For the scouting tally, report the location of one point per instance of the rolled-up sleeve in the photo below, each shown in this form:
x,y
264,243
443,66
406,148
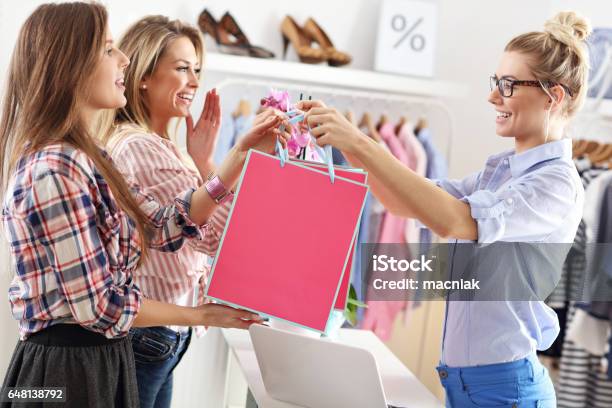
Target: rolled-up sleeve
x,y
530,207
170,225
155,175
458,188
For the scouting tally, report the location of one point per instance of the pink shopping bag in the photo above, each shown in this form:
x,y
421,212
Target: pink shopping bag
x,y
288,241
362,177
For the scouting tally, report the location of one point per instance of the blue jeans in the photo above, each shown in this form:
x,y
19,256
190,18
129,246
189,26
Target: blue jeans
x,y
157,351
519,384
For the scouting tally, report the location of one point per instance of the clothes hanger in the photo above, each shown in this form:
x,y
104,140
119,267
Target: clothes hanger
x,y
243,109
421,124
602,155
350,116
596,152
382,121
582,146
579,147
366,122
399,125
591,146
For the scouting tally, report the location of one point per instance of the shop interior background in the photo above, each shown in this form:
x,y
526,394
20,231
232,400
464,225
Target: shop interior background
x,y
470,39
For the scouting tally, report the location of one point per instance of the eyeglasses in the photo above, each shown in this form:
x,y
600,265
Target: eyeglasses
x,y
506,85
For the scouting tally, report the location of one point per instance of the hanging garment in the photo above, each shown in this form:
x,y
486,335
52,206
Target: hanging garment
x,y
417,162
393,227
597,215
338,157
572,276
593,318
582,382
232,128
589,332
437,168
377,211
380,315
373,213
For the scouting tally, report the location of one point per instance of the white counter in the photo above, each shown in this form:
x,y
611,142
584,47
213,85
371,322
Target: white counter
x,y
401,386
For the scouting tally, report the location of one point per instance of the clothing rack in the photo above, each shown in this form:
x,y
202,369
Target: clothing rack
x,y
376,103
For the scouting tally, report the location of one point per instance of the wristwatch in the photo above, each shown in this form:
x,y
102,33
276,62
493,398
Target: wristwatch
x,y
217,190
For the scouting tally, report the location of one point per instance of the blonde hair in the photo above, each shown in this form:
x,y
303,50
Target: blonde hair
x,y
144,43
57,51
559,56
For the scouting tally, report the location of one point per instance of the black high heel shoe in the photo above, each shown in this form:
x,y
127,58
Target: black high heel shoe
x,y
228,22
228,36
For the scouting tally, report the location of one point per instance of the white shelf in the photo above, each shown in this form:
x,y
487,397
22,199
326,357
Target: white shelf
x,y
606,107
331,76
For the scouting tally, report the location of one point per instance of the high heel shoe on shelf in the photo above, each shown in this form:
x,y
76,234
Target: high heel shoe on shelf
x,y
301,42
229,37
334,57
229,23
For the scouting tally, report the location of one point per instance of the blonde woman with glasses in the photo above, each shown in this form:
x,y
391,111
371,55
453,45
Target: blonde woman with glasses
x,y
531,194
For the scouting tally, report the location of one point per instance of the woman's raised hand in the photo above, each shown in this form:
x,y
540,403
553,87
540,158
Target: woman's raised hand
x,y
202,136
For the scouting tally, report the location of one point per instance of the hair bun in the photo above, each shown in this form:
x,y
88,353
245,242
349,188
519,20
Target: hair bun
x,y
568,27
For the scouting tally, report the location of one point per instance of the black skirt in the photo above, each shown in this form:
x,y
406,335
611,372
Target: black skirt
x,y
95,371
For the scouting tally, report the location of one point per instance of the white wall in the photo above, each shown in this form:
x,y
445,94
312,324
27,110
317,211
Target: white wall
x,y
472,34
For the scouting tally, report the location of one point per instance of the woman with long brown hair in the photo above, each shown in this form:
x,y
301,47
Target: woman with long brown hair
x,y
75,227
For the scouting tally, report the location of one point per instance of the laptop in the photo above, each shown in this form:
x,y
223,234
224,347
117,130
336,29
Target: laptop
x,y
316,373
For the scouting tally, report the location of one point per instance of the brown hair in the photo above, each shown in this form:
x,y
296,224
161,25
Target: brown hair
x,y
559,55
56,53
144,43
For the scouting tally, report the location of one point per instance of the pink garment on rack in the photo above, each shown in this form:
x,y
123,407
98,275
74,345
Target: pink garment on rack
x,y
380,315
417,162
392,229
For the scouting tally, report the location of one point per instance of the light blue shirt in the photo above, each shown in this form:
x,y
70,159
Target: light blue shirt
x,y
534,196
231,129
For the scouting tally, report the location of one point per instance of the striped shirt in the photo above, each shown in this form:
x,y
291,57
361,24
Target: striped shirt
x,y
156,165
73,250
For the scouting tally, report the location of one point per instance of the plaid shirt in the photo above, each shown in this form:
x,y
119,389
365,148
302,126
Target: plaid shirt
x,y
73,249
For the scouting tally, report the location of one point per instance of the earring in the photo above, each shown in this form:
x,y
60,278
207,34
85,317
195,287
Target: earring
x,y
144,86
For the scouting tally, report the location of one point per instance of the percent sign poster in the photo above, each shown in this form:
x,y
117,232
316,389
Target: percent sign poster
x,y
406,37
287,242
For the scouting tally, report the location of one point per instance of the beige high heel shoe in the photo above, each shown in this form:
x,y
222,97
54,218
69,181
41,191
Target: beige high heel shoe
x,y
301,42
334,57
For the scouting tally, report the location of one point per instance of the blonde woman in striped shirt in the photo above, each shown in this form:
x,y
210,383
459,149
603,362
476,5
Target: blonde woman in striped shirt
x,y
161,82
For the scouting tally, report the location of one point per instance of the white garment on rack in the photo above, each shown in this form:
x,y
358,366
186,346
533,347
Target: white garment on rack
x,y
589,332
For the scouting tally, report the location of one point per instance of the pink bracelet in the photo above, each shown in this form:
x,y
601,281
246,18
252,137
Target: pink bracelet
x,y
217,190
